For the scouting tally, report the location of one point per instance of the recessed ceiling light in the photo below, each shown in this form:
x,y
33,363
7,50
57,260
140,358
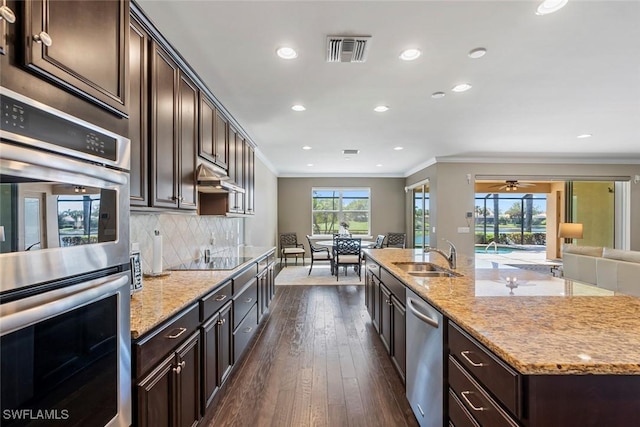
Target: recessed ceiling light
x,y
287,53
298,107
379,165
381,109
309,164
398,148
410,54
438,95
306,147
478,52
550,6
584,135
462,87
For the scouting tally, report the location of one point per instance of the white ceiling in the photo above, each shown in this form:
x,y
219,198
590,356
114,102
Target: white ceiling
x,y
544,80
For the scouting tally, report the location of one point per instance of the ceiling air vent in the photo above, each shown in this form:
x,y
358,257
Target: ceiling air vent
x,y
347,48
348,152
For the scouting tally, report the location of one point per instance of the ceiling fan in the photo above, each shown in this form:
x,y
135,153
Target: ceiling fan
x,y
512,185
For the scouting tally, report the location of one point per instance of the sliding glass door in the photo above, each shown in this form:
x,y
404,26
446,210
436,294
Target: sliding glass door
x,y
421,223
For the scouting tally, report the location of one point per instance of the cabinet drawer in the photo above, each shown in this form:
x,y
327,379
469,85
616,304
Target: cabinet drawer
x,y
243,302
458,414
215,300
496,376
156,345
264,262
475,399
396,287
245,332
243,278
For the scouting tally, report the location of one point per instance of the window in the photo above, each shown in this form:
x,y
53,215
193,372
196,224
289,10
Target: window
x,y
332,206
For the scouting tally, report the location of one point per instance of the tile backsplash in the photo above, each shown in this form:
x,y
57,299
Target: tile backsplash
x,y
185,237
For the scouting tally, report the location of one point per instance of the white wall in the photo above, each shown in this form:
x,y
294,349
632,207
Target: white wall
x,y
261,229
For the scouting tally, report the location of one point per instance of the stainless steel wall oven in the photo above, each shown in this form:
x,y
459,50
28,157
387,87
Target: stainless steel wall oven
x,y
64,269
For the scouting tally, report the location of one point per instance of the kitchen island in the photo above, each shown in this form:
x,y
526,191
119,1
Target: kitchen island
x,y
569,351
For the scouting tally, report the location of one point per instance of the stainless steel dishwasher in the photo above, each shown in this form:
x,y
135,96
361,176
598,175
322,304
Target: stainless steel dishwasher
x,y
425,360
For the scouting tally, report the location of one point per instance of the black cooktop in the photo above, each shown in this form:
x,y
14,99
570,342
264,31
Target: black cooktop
x,y
213,263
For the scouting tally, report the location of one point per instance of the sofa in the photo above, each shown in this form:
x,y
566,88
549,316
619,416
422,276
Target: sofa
x,y
614,269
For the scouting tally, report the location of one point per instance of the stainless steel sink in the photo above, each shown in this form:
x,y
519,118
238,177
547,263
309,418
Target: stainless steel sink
x,y
425,269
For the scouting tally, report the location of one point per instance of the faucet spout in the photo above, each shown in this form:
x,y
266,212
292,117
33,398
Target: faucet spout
x,y
451,257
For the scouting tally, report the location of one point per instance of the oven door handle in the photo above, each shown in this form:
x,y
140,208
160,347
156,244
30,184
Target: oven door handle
x,y
23,313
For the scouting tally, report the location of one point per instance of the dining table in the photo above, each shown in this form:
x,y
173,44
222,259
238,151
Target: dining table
x,y
363,244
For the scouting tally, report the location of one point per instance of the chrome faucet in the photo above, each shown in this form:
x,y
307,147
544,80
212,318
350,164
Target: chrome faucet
x,y
451,257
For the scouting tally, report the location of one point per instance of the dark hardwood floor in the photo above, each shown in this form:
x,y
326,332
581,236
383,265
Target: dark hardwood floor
x,y
316,362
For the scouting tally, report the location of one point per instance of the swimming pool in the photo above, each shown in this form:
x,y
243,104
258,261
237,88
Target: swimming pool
x,y
492,250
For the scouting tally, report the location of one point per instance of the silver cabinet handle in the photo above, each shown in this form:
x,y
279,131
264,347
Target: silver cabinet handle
x,y
247,329
222,321
248,300
180,367
180,332
465,353
43,38
220,298
466,399
7,14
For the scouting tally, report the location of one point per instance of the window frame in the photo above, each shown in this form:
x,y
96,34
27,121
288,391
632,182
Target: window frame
x,y
340,212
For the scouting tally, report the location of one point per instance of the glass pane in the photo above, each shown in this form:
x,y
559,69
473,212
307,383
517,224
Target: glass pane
x,y
32,223
358,222
355,200
325,222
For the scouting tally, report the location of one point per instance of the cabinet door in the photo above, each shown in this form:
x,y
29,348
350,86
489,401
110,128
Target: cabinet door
x,y
233,205
3,25
88,49
138,113
164,84
156,395
240,174
207,132
210,359
375,290
188,382
225,344
187,142
398,344
249,196
385,313
221,140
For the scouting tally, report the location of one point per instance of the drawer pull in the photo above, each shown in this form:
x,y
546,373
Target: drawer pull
x,y
247,329
222,321
174,336
248,300
220,298
466,399
477,365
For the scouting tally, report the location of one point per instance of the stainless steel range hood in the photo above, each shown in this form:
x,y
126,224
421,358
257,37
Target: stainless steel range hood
x,y
212,179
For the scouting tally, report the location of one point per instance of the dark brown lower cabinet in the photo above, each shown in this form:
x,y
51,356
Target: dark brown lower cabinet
x,y
170,394
217,352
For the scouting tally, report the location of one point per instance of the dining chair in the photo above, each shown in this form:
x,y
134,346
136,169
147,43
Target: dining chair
x,y
347,251
396,240
379,241
319,254
289,247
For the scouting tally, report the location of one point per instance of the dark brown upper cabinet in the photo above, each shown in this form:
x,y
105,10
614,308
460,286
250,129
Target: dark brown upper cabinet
x,y
81,46
139,41
213,133
174,133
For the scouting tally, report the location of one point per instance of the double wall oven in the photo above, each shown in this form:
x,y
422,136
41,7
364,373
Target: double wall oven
x,y
64,269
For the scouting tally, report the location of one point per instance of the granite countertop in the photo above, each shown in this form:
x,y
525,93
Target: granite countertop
x,y
164,296
544,326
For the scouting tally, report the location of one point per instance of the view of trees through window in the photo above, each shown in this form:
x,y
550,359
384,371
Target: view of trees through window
x,y
78,219
331,207
510,219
